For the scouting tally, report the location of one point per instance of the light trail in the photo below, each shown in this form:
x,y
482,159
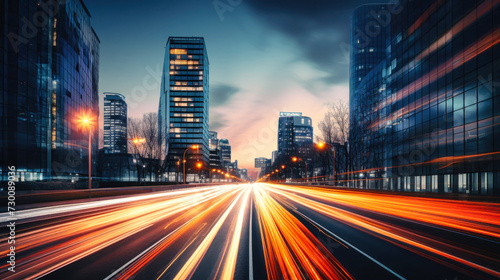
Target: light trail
x,y
291,251
482,219
195,233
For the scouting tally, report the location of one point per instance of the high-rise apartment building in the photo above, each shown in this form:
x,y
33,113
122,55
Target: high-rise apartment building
x,y
425,118
226,152
49,80
215,151
260,162
115,123
295,134
184,97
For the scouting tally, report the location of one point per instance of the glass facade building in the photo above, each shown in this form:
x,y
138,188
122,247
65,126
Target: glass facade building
x,y
184,97
49,74
426,117
215,151
226,152
115,123
295,134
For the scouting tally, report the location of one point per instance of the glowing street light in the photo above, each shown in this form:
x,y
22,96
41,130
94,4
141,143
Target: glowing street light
x,y
321,145
194,147
291,171
296,159
87,121
136,141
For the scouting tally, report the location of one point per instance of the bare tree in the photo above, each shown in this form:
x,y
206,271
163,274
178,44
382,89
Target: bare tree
x,y
148,148
334,127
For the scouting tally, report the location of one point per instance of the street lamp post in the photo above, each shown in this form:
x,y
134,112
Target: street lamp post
x,y
178,163
291,172
199,165
296,159
321,145
87,121
184,162
136,141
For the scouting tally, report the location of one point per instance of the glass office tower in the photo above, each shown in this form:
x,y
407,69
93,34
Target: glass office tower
x,y
183,109
434,101
115,123
226,152
369,34
49,74
295,134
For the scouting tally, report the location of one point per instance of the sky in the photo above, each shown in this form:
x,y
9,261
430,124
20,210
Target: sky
x,y
265,57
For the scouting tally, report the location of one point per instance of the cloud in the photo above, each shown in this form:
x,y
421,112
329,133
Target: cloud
x,y
320,29
217,121
221,93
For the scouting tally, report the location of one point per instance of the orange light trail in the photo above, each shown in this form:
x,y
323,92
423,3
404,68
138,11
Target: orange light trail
x,y
425,16
289,245
194,228
458,60
476,218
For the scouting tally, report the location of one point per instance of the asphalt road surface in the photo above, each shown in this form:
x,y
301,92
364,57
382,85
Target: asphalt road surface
x,y
255,231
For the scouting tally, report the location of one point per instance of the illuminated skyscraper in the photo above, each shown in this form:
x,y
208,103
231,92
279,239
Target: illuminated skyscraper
x,y
183,109
295,134
115,123
226,152
49,78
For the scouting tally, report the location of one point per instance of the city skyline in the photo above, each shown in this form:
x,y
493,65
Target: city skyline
x,y
257,139
239,83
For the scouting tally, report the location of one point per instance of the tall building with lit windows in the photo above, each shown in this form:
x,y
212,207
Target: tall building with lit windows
x,y
115,123
427,116
48,79
183,109
226,152
295,134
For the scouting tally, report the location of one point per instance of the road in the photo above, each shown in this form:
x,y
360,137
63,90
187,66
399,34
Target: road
x,y
257,231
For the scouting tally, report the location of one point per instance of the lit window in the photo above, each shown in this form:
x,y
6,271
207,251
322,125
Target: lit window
x,y
178,51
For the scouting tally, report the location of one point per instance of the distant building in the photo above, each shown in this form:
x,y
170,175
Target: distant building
x,y
116,166
274,156
243,174
295,134
49,79
226,151
215,151
183,108
115,123
260,162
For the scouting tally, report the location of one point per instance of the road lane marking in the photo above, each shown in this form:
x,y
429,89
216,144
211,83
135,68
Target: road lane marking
x,y
250,246
145,251
352,246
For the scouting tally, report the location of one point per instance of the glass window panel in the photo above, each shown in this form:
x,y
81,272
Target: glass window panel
x,y
484,109
471,114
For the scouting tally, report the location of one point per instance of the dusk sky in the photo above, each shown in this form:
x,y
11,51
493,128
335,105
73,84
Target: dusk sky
x,y
265,57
